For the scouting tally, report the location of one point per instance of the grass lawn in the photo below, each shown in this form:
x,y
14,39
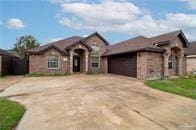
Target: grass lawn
x,y
10,114
185,86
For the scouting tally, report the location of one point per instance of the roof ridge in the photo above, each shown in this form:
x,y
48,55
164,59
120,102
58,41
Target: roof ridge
x,y
99,35
140,36
177,32
64,39
54,43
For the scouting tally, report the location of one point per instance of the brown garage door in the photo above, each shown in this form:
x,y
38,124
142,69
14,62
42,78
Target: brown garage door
x,y
125,64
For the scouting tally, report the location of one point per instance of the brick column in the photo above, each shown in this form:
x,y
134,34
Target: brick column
x,y
86,60
71,61
0,65
166,72
106,65
180,60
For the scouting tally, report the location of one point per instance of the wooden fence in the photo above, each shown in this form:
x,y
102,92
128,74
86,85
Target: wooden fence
x,y
14,66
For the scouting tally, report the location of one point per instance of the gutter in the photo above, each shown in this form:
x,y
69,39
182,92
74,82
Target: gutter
x,y
137,50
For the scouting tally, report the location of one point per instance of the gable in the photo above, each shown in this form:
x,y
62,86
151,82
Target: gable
x,y
48,49
95,40
183,39
178,42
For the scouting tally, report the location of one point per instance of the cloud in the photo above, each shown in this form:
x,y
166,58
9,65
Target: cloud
x,y
123,17
1,22
190,3
15,23
48,40
64,1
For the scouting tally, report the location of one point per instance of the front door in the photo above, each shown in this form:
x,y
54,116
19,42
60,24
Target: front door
x,y
76,64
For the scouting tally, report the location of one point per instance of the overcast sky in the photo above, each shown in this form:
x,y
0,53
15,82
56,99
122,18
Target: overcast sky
x,y
116,20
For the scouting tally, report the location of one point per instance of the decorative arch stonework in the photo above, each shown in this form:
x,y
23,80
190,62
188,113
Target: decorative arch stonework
x,y
175,50
84,57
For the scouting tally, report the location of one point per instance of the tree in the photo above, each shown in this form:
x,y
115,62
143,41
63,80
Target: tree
x,y
25,43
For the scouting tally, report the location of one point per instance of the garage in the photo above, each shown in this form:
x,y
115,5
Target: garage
x,y
125,64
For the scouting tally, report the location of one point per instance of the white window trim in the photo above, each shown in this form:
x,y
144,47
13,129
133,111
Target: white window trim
x,y
98,61
57,68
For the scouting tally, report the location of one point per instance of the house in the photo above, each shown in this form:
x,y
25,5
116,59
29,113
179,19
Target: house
x,y
191,58
141,57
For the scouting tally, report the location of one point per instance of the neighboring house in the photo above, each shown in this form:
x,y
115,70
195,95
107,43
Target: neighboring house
x,y
143,58
191,58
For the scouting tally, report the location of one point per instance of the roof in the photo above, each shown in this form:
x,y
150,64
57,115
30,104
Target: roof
x,y
59,45
4,52
97,34
65,44
139,43
142,43
164,38
191,50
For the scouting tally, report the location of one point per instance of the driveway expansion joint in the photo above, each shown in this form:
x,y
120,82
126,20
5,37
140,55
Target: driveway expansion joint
x,y
141,114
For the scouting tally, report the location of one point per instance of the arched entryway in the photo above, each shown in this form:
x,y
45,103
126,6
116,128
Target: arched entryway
x,y
79,60
173,62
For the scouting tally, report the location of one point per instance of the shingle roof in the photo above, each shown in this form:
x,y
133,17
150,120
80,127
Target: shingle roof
x,y
60,45
132,45
164,38
3,52
192,49
63,45
142,43
139,43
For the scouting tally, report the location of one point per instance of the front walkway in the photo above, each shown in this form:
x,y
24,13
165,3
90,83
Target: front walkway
x,y
98,102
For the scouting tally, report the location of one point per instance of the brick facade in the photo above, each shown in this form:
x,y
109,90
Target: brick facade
x,y
141,65
149,65
191,64
176,49
38,63
96,41
0,64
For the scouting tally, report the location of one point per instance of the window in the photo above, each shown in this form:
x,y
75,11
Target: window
x,y
53,62
170,62
95,56
95,61
95,50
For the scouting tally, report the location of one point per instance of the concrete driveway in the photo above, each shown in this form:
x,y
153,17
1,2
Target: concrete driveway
x,y
8,81
98,102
